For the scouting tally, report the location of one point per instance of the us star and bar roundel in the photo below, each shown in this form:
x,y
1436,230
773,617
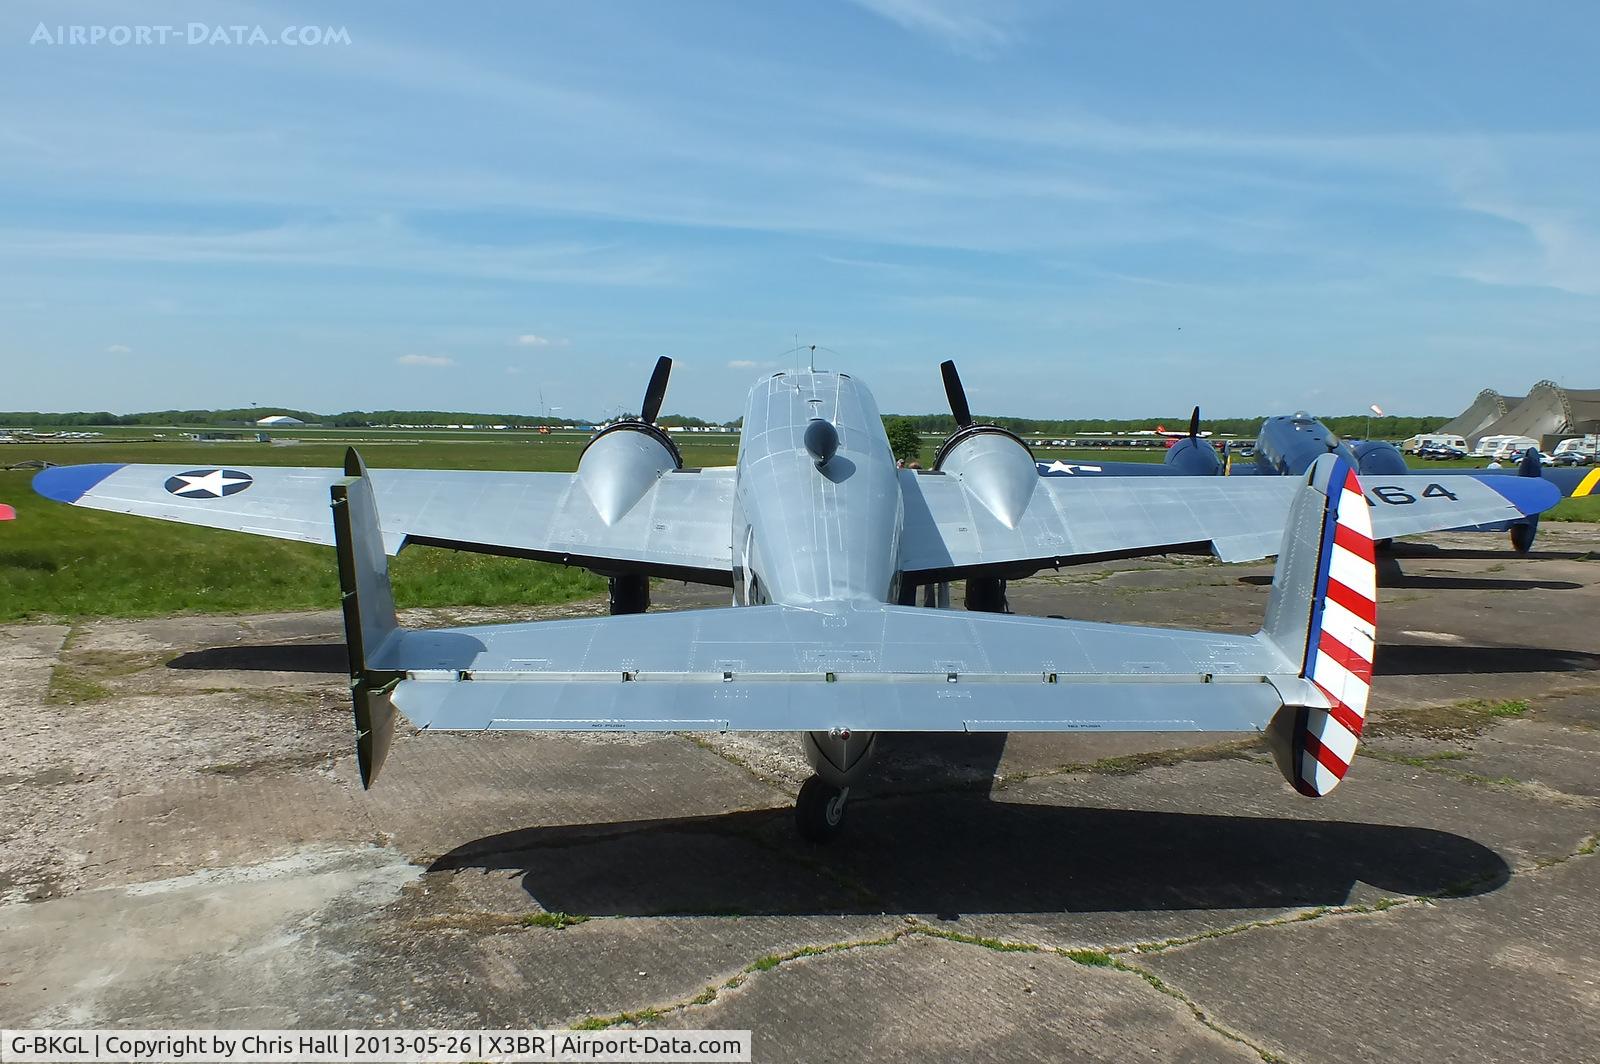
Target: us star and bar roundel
x,y
208,483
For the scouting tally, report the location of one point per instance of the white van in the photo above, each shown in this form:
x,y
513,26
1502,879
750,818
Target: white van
x,y
1416,443
1583,444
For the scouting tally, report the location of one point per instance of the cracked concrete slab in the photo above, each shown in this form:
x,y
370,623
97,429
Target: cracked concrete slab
x,y
921,998
1513,974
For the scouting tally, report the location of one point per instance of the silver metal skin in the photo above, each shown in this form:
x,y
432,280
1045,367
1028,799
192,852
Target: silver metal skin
x,y
997,470
817,531
619,467
810,535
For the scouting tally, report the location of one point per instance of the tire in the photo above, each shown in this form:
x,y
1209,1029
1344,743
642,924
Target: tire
x,y
818,810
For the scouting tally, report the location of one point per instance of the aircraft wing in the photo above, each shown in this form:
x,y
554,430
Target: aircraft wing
x,y
1572,481
1068,520
1060,468
680,528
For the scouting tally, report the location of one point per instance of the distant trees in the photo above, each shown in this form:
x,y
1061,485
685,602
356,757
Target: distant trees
x,y
902,429
904,439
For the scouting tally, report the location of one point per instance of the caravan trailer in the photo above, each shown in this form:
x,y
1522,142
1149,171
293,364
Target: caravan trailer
x,y
1427,439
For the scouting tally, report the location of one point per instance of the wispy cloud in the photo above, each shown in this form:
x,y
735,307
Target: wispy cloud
x,y
535,340
742,363
119,349
425,360
374,243
954,23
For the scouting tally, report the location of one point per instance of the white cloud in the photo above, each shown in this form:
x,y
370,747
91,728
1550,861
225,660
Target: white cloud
x,y
513,371
119,349
532,340
957,26
742,363
425,360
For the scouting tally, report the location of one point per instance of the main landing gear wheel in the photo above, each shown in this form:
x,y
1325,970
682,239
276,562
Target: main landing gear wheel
x,y
819,810
1522,538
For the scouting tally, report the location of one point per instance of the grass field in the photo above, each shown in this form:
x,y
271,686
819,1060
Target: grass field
x,y
59,561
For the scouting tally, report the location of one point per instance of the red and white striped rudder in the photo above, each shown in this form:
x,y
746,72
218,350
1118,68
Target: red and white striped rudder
x,y
1324,608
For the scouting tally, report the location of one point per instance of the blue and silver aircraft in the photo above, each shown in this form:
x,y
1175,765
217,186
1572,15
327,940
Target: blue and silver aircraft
x,y
1288,444
823,545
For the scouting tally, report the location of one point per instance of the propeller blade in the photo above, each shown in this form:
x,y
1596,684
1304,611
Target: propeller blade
x,y
955,394
656,390
1194,424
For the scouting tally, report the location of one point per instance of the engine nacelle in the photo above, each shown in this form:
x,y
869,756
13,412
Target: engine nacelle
x,y
621,462
1288,444
1379,457
994,466
1194,458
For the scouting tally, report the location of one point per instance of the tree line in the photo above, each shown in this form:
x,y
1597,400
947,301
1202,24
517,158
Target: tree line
x,y
1354,425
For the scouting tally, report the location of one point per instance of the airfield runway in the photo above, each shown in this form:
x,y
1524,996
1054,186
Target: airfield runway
x,y
183,845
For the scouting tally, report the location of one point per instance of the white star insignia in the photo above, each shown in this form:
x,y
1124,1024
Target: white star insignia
x,y
209,485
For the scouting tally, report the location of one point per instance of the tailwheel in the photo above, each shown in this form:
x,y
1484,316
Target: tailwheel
x,y
1522,535
819,809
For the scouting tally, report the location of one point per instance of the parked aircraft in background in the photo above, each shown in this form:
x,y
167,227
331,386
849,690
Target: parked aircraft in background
x,y
824,544
1288,444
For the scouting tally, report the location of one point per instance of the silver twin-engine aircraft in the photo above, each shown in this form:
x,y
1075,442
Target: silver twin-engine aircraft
x,y
825,545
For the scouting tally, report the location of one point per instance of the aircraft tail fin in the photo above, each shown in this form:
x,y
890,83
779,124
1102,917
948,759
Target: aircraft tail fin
x,y
1323,613
369,615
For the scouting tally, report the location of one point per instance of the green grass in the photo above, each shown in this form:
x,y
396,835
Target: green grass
x,y
558,921
1585,509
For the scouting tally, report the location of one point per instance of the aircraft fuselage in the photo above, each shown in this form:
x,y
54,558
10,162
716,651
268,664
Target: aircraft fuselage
x,y
806,534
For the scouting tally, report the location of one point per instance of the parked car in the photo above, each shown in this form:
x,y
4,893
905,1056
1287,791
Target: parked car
x,y
1571,458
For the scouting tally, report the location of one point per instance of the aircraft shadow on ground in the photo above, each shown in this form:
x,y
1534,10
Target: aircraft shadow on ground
x,y
1414,659
951,849
1391,578
950,854
1437,553
328,658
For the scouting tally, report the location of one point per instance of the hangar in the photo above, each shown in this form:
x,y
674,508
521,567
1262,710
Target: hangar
x,y
1547,413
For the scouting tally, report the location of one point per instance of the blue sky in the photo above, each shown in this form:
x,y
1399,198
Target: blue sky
x,y
1097,209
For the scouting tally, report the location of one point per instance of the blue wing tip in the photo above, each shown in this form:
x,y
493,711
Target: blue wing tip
x,y
1531,495
73,482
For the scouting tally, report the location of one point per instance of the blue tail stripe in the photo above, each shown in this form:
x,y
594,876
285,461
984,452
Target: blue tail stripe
x,y
1330,521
